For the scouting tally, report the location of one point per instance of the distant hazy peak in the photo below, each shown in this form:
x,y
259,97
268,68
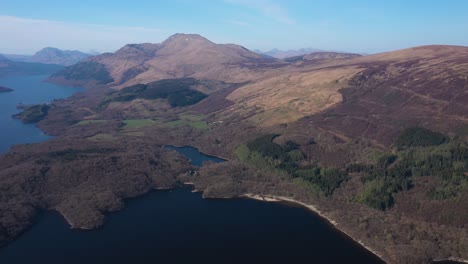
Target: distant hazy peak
x,y
281,54
56,50
3,58
51,55
93,52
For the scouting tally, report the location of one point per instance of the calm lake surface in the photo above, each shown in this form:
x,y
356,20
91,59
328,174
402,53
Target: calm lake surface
x,y
179,226
174,226
27,90
196,157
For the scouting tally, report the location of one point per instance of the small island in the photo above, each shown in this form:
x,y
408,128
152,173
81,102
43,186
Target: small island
x,y
5,89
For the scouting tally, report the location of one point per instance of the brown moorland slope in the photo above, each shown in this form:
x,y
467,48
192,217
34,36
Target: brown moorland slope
x,y
374,96
425,86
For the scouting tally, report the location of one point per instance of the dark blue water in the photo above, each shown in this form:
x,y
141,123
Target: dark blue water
x,y
27,90
181,227
196,157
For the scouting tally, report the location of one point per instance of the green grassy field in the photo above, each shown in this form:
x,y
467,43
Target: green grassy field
x,y
192,120
175,123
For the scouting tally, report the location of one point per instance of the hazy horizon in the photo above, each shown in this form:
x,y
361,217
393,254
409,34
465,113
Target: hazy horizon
x,y
361,26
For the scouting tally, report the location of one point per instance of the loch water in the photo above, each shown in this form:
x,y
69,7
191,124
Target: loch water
x,y
28,90
178,226
196,157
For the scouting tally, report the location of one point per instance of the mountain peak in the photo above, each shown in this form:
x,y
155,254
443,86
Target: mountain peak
x,y
181,39
187,37
49,49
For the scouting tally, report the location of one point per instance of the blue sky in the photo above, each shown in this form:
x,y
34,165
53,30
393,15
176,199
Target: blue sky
x,y
363,26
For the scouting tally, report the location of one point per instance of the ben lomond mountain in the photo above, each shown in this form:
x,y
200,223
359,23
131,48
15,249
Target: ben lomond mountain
x,y
398,88
181,55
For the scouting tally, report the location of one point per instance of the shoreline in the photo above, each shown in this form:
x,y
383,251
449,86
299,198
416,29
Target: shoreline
x,y
273,198
450,259
263,198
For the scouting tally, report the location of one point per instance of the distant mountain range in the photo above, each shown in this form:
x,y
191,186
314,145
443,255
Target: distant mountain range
x,y
281,54
9,67
321,56
51,55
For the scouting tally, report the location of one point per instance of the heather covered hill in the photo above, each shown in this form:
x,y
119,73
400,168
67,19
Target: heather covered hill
x,y
423,86
377,94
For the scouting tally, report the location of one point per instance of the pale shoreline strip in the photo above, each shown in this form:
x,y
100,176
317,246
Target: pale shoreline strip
x,y
274,198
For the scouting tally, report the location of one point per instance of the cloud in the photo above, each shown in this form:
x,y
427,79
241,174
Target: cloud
x,y
25,36
267,8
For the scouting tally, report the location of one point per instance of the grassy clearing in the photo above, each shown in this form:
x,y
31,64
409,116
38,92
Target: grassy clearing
x,y
192,120
175,123
89,122
137,123
199,124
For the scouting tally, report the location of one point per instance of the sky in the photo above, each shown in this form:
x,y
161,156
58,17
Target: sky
x,y
362,26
